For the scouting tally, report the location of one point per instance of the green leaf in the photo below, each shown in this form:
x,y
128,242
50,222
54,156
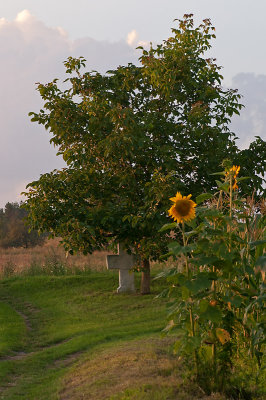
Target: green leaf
x,y
192,224
218,173
176,249
261,262
203,244
181,279
192,343
190,234
257,243
202,197
243,178
163,294
203,305
168,227
204,260
236,301
201,282
210,212
212,313
185,293
223,186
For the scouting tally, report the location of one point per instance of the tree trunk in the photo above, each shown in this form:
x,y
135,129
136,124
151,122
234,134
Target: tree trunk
x,y
145,277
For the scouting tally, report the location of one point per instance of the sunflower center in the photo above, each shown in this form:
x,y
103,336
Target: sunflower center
x,y
183,207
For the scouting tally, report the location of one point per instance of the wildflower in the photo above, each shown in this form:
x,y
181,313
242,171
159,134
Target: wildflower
x,y
183,208
234,171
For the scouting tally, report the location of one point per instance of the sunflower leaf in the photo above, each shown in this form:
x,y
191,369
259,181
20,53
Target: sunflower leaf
x,y
168,227
218,173
202,197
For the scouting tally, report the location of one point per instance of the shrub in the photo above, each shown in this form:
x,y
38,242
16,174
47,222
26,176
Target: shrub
x,y
217,285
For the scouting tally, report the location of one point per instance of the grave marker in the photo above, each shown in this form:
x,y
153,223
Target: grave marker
x,y
124,262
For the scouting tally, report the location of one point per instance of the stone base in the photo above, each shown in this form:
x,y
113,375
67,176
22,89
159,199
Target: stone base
x,y
126,282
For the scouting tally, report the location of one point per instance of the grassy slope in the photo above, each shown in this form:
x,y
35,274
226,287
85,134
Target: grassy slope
x,y
59,320
12,329
73,337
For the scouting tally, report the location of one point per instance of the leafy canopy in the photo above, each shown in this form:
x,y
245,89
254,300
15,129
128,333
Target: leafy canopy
x,y
131,138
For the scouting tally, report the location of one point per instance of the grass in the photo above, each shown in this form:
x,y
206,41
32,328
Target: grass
x,y
48,322
66,334
140,369
73,337
51,259
47,258
12,329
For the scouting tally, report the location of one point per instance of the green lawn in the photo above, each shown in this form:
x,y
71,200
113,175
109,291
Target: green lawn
x,y
49,323
72,337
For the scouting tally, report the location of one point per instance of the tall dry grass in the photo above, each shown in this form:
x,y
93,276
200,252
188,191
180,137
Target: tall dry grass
x,y
14,261
51,259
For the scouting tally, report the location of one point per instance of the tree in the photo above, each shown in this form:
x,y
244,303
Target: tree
x,y
252,161
13,229
131,138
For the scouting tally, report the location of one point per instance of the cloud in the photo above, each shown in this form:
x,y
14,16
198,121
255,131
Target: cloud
x,y
133,40
24,16
32,52
252,120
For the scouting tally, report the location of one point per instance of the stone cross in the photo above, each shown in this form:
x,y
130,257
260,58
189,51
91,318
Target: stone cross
x,y
124,262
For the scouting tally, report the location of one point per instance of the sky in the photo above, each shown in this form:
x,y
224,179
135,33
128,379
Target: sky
x,y
36,36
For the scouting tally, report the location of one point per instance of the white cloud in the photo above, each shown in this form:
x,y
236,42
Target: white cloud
x,y
24,16
62,31
32,52
143,43
133,40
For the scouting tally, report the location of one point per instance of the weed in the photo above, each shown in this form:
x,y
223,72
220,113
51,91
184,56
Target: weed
x,y
8,269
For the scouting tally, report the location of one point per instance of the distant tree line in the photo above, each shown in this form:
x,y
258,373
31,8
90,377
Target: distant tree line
x,y
13,229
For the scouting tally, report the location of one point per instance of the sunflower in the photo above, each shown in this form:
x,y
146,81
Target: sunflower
x,y
183,208
234,171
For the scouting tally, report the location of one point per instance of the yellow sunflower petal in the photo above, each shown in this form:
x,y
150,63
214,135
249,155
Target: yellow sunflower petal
x,y
178,195
183,208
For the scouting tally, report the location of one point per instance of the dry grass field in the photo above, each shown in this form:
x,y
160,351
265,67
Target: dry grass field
x,y
51,258
51,254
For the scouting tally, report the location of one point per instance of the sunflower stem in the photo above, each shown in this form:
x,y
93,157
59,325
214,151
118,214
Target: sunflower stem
x,y
219,199
192,326
231,196
214,362
230,227
185,243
